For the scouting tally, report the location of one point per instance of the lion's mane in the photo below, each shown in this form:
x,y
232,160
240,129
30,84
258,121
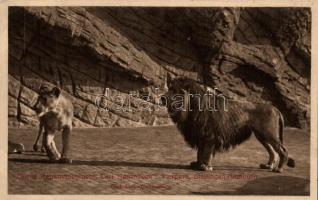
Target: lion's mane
x,y
221,129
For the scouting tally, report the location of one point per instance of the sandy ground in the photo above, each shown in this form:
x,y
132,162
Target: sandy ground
x,y
153,160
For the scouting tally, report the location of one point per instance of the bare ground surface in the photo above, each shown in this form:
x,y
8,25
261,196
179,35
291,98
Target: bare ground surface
x,y
153,160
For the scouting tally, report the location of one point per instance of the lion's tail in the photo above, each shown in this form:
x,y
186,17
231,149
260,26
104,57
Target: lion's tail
x,y
281,127
290,161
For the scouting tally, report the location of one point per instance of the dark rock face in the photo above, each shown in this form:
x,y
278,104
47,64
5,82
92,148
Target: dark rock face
x,y
107,59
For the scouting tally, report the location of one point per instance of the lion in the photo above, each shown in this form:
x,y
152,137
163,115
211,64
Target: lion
x,y
55,113
226,124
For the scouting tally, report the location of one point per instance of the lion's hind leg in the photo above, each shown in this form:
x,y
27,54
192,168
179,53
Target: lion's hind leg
x,y
271,162
271,152
273,146
283,156
66,144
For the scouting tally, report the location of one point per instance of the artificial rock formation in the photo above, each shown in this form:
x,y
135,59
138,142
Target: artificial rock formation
x,y
113,62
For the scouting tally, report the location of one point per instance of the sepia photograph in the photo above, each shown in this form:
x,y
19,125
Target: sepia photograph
x,y
131,100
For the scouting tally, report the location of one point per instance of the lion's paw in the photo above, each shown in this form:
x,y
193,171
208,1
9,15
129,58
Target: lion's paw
x,y
277,170
266,166
66,160
53,157
200,166
58,155
43,149
35,147
205,167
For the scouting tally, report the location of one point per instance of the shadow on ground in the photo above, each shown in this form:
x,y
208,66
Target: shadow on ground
x,y
264,186
130,164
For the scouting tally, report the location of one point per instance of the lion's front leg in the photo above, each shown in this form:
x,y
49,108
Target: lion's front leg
x,y
35,145
66,144
204,158
56,151
196,164
49,139
43,142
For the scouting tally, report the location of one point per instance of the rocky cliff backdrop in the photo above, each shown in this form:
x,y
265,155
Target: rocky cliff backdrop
x,y
107,57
